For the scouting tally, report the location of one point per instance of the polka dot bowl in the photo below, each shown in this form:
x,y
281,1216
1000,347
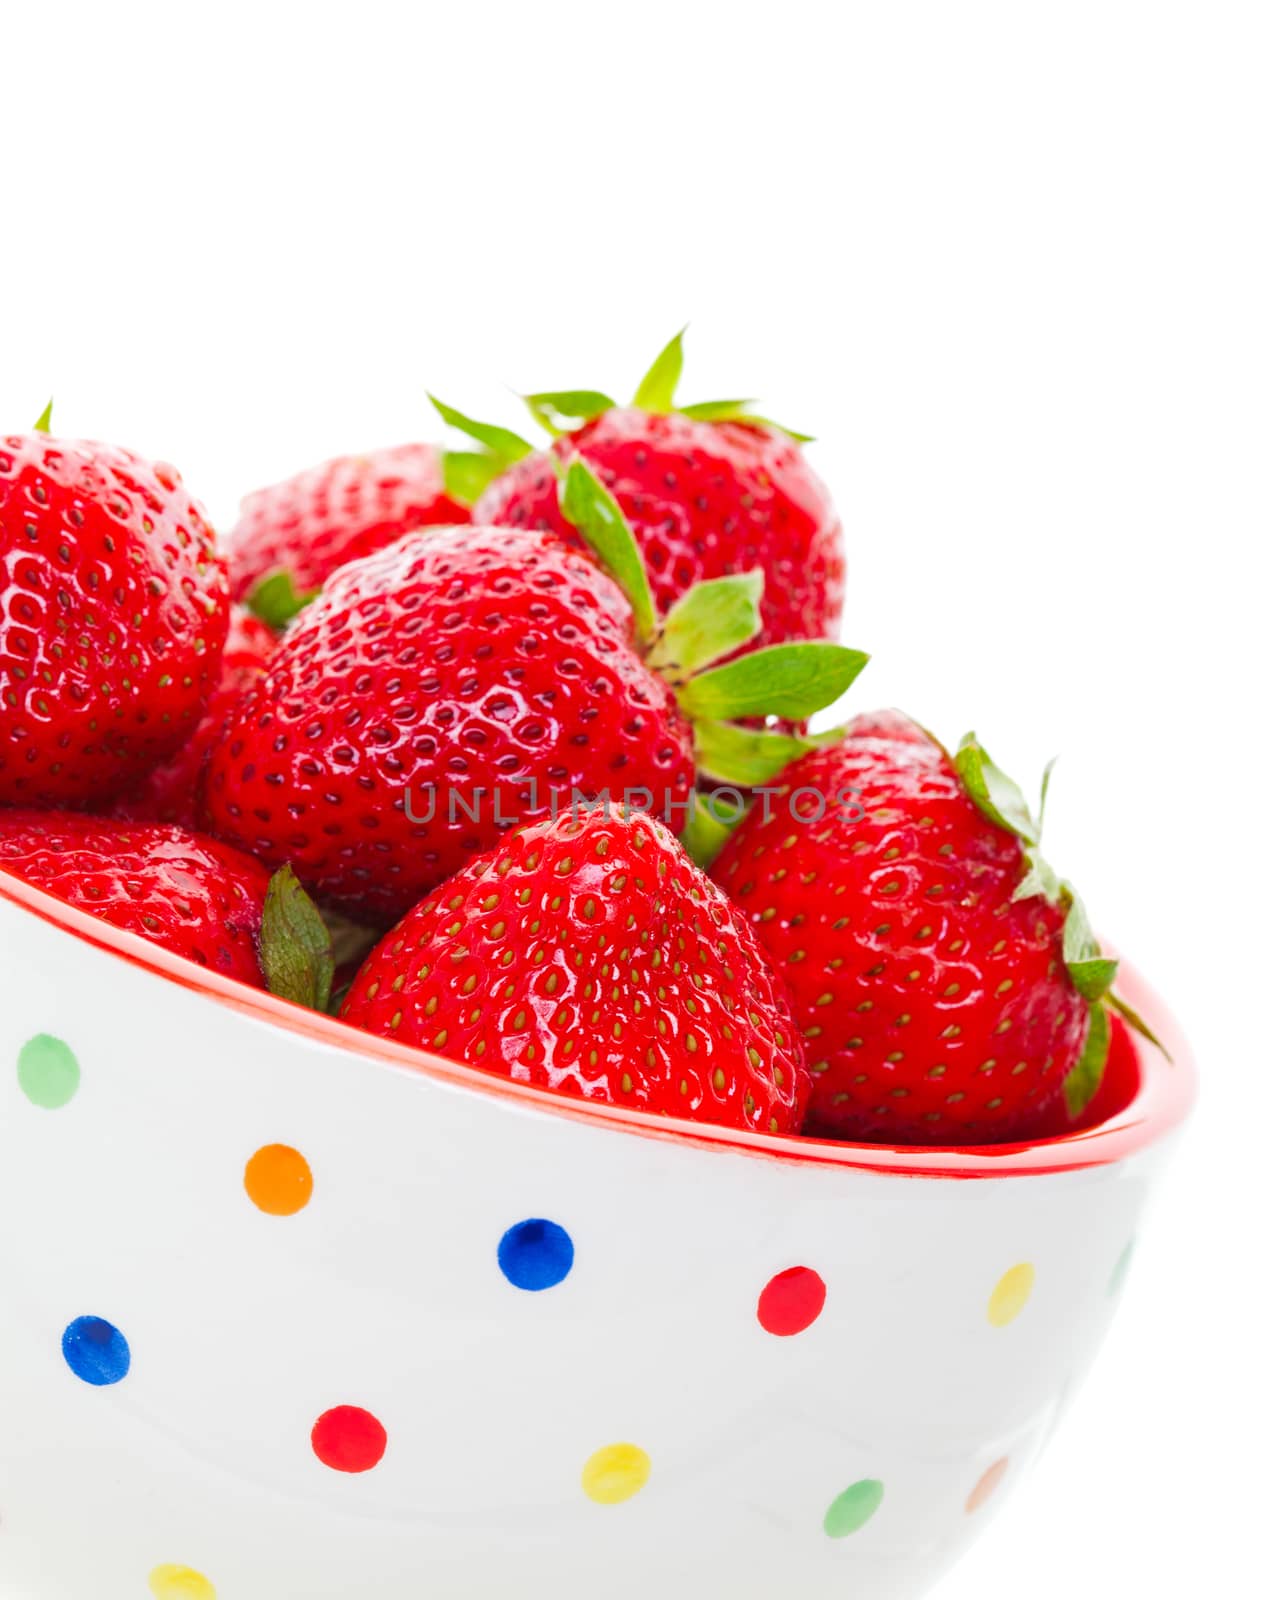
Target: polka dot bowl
x,y
292,1314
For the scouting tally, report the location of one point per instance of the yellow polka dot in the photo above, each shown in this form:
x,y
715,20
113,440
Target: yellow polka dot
x,y
616,1473
278,1180
1011,1295
180,1583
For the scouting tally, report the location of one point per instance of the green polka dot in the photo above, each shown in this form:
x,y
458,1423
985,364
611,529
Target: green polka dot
x,y
854,1509
48,1071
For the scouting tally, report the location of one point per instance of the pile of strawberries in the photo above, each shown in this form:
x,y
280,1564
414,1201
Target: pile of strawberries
x,y
503,752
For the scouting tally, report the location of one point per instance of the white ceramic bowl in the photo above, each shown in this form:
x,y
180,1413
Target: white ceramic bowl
x,y
245,1249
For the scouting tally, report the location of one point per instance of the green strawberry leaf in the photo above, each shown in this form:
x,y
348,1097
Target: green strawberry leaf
x,y
295,950
554,408
769,422
714,617
1127,1011
501,441
656,389
276,601
738,411
1092,973
784,680
710,823
1042,794
1093,979
467,473
1082,1083
745,756
717,410
45,423
598,518
1039,879
993,792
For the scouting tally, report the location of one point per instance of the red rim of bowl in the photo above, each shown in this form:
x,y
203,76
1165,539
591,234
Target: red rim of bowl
x,y
1164,1096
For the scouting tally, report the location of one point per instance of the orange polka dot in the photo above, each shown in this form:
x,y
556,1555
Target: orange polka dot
x,y
278,1180
986,1485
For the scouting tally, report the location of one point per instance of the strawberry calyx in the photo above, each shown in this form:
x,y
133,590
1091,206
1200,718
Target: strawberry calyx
x,y
467,473
1083,1082
45,423
552,408
1091,973
563,411
691,645
655,393
295,948
276,600
710,823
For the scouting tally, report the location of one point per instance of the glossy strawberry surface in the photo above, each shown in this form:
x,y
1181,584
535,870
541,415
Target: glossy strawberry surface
x,y
704,500
460,681
313,523
936,1008
113,614
194,896
170,792
592,958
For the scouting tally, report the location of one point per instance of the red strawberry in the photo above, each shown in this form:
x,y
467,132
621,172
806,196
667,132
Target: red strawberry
x,y
895,725
465,679
314,523
709,491
593,958
169,793
945,981
195,896
113,623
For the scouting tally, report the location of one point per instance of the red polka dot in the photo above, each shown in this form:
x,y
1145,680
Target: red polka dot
x,y
348,1439
791,1301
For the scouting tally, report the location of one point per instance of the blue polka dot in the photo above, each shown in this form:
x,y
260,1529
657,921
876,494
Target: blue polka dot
x,y
536,1254
95,1351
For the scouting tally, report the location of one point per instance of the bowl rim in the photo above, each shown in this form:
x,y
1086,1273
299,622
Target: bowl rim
x,y
1165,1095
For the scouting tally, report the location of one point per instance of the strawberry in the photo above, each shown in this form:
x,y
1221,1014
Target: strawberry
x,y
169,793
709,490
946,982
314,523
895,725
114,619
192,895
592,958
466,679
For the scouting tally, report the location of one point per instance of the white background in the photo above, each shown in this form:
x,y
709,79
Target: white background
x,y
1002,259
